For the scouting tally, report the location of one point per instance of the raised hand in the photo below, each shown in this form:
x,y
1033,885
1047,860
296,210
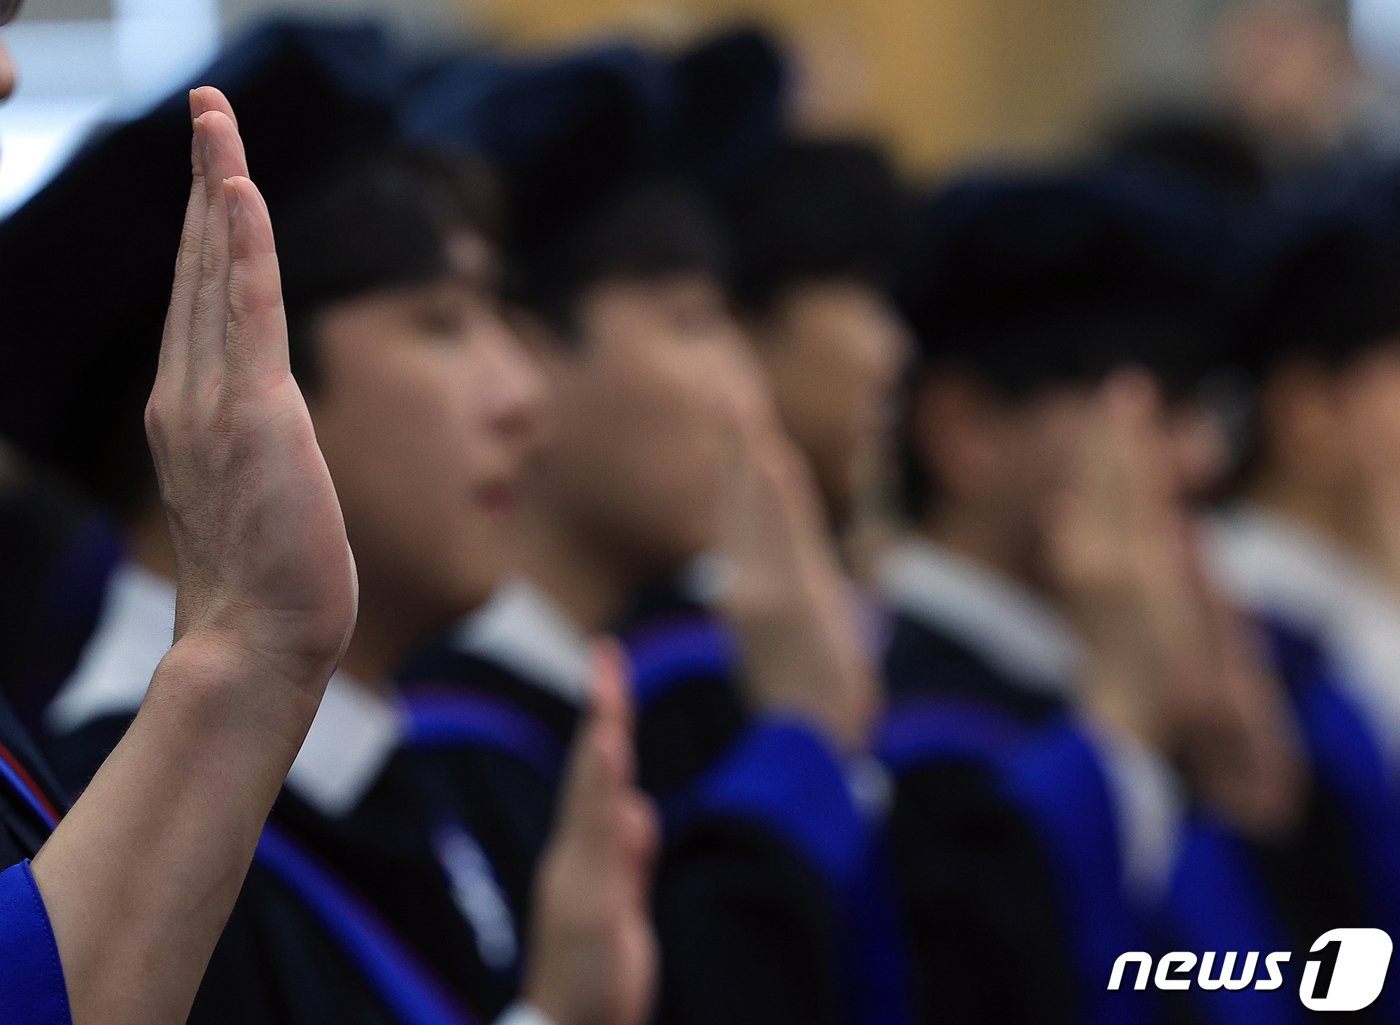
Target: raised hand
x,y
593,956
784,593
1245,757
263,562
140,876
1125,562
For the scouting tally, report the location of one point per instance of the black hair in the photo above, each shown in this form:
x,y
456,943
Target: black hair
x,y
819,210
1029,284
379,222
1329,297
640,232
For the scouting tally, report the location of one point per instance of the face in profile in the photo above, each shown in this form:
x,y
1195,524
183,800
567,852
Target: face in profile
x,y
642,418
427,409
833,353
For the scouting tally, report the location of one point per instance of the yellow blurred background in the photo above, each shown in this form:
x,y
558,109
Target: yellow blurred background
x,y
944,82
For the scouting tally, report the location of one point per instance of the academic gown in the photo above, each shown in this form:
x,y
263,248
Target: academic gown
x,y
1332,632
32,988
369,901
1031,848
56,551
765,848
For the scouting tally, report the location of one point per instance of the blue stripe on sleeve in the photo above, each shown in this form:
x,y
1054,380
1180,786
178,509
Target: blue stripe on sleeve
x,y
1058,781
664,656
785,778
919,731
32,989
448,720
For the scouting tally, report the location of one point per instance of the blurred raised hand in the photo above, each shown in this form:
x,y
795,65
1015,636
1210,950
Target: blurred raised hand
x,y
593,957
785,595
1245,756
1170,662
1121,552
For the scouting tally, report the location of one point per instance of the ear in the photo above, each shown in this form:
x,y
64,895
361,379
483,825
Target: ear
x,y
952,420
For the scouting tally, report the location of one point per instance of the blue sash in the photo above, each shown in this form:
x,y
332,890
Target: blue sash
x,y
13,774
408,988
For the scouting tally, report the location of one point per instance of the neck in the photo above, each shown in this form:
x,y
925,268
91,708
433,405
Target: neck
x,y
977,539
576,575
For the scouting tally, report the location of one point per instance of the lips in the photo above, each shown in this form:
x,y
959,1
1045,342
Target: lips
x,y
500,498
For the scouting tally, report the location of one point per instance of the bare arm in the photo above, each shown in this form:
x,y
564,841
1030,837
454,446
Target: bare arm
x,y
140,877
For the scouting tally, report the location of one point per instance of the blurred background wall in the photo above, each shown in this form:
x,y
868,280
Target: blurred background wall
x,y
945,81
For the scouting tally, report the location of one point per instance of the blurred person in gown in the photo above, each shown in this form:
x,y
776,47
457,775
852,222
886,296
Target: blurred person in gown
x,y
1062,679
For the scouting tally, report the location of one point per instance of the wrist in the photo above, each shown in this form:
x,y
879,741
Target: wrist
x,y
218,686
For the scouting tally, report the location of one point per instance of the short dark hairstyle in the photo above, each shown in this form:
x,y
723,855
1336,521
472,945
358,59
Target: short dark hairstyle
x,y
1329,294
378,221
1029,283
375,223
819,210
646,231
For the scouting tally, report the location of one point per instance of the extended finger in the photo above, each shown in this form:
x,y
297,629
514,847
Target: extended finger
x,y
255,331
207,97
175,340
610,695
222,153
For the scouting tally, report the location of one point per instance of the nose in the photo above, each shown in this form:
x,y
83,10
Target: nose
x,y
7,73
519,392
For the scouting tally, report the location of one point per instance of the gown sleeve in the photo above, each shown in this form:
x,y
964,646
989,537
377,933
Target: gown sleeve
x,y
32,988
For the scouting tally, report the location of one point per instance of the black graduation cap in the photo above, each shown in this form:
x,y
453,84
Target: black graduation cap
x,y
583,144
1208,147
817,209
731,98
1039,278
563,131
88,261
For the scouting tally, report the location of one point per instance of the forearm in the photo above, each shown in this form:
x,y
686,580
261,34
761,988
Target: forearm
x,y
142,874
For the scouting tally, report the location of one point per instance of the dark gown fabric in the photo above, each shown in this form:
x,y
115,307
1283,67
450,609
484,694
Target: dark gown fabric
x,y
360,918
762,846
353,918
56,553
987,917
30,805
